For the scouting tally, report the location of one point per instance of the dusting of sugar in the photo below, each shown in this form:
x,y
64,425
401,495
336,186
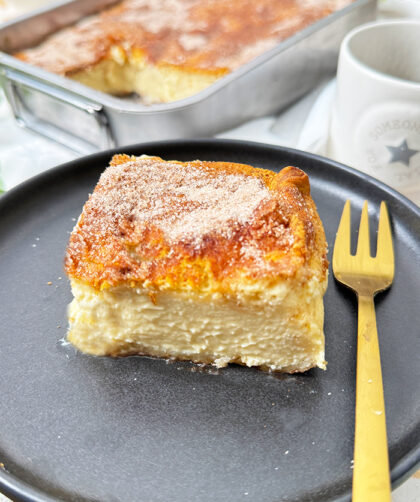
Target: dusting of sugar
x,y
70,48
248,52
216,34
156,15
186,203
191,42
330,4
251,251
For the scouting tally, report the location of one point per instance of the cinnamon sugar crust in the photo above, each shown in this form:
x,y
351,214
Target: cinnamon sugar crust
x,y
204,226
212,36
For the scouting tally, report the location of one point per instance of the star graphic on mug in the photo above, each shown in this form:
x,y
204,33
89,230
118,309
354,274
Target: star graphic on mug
x,y
401,153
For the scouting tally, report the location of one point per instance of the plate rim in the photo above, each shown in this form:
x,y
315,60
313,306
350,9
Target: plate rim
x,y
16,489
44,175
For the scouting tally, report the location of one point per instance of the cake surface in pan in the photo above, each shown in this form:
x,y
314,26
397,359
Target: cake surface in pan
x,y
212,262
166,50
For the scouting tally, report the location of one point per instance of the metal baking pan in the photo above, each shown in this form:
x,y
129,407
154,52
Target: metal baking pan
x,y
87,120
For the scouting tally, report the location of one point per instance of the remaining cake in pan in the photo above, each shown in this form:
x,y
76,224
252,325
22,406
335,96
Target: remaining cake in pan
x,y
212,262
166,50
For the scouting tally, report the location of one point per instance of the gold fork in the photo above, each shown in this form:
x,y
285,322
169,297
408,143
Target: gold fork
x,y
366,276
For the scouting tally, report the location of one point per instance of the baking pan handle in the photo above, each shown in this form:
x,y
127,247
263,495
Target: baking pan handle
x,y
75,122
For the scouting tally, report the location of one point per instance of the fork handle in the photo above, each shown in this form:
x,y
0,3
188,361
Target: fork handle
x,y
371,479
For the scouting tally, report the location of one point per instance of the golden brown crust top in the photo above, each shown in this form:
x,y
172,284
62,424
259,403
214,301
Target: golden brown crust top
x,y
213,35
198,225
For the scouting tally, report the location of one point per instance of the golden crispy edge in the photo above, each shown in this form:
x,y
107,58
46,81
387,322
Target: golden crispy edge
x,y
102,261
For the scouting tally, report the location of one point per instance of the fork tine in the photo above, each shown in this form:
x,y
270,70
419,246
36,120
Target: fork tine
x,y
363,241
385,250
342,240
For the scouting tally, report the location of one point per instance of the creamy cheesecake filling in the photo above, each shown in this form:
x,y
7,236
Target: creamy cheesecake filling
x,y
282,331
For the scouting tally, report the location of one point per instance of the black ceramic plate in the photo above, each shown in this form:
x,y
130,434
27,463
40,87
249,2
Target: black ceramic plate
x,y
75,427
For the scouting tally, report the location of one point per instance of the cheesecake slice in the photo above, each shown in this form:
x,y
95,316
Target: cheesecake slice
x,y
212,262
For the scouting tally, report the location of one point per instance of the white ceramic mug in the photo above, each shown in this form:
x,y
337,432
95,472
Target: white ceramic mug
x,y
375,124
